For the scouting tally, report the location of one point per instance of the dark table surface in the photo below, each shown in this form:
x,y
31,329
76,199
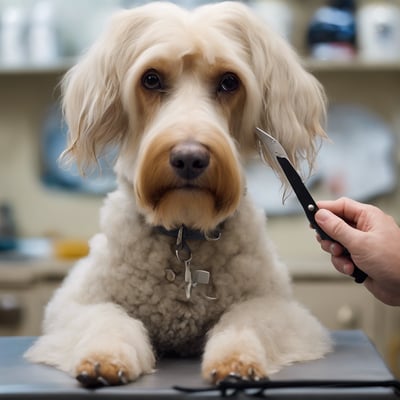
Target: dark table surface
x,y
354,359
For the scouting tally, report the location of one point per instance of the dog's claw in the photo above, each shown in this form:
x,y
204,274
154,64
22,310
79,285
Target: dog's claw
x,y
103,381
232,377
99,374
122,377
236,373
97,368
88,381
83,378
252,375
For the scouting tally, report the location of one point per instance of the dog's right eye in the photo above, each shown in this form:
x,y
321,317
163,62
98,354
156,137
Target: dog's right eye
x,y
228,83
152,80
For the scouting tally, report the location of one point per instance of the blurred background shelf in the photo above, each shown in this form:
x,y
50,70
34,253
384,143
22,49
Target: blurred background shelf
x,y
62,65
57,68
355,65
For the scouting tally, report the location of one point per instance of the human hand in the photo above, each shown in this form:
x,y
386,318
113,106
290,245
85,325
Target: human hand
x,y
373,240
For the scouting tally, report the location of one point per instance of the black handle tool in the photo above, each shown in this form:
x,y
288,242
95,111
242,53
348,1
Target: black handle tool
x,y
275,149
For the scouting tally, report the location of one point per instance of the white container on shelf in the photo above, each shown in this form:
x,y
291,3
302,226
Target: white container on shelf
x,y
13,24
378,27
276,14
42,34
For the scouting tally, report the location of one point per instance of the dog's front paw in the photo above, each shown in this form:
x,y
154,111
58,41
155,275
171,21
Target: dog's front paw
x,y
100,371
236,367
116,366
235,354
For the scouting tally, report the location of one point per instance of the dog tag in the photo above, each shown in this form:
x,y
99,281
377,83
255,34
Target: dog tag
x,y
170,275
188,272
192,279
201,277
188,279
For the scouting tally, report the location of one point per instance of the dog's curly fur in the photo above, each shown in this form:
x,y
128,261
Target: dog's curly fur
x,y
163,81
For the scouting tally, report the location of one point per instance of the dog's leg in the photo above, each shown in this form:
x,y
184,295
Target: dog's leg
x,y
257,337
234,353
113,352
99,344
108,359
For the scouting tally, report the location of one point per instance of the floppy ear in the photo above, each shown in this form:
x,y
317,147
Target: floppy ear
x,y
91,93
281,97
91,107
294,102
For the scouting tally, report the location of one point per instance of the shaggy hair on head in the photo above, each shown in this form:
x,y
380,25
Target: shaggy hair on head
x,y
183,263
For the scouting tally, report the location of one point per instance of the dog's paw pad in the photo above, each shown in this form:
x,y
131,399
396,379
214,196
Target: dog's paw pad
x,y
92,373
234,369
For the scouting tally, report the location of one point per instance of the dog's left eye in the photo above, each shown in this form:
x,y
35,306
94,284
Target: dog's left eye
x,y
228,83
152,80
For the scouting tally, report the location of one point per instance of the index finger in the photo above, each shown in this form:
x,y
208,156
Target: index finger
x,y
345,208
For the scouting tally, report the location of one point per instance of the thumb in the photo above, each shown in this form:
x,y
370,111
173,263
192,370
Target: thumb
x,y
335,227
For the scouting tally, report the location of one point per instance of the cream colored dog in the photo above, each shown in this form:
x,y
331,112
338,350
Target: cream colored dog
x,y
183,264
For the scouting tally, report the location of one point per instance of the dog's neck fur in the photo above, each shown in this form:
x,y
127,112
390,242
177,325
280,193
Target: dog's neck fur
x,y
122,219
203,250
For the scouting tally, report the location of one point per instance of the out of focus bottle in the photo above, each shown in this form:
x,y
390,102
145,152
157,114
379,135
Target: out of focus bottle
x,y
42,34
12,36
332,31
379,31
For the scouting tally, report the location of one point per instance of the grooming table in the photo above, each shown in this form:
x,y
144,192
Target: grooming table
x,y
354,359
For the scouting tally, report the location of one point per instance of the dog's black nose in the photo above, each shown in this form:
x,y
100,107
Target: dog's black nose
x,y
189,159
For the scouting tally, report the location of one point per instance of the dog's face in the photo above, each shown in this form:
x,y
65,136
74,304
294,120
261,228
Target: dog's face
x,y
180,94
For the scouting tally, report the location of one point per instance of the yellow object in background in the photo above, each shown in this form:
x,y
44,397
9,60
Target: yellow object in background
x,y
70,248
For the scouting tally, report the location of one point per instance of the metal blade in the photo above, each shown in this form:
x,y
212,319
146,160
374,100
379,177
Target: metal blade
x,y
273,145
276,150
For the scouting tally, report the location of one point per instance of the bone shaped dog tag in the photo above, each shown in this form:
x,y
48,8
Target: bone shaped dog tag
x,y
201,277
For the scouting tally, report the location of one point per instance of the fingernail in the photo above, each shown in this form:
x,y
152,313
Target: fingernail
x,y
347,269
